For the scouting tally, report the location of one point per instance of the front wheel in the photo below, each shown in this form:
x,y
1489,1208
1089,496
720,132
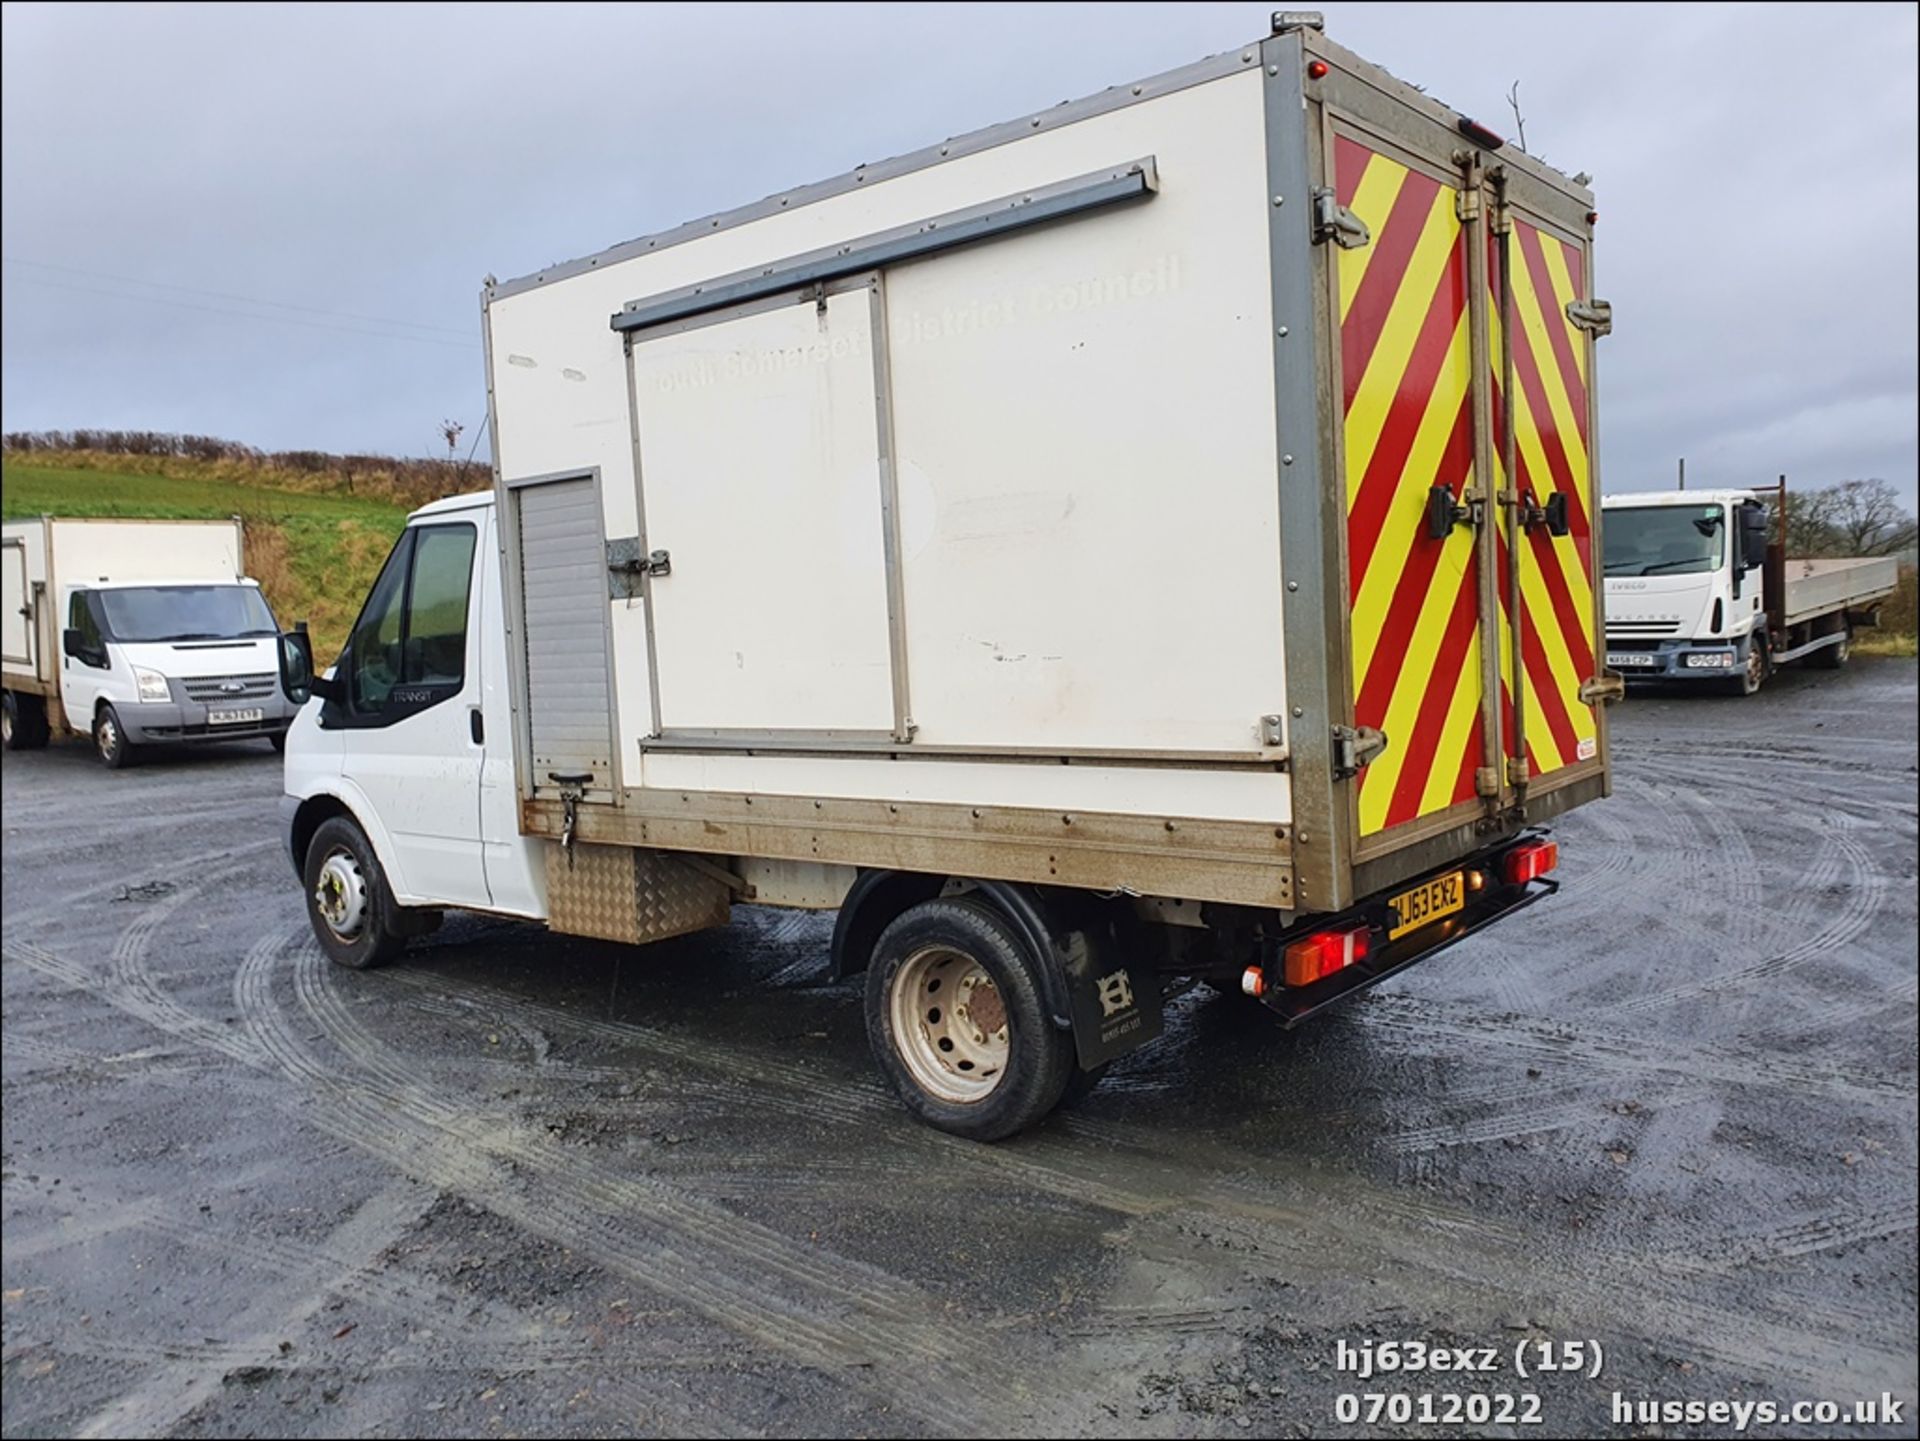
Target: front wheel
x,y
278,740
1754,674
110,740
348,901
957,1021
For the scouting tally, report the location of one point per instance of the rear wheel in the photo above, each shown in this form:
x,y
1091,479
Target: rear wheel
x,y
348,902
957,1022
23,726
1834,656
110,740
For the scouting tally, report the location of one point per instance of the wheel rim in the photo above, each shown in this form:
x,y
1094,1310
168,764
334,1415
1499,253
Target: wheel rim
x,y
1756,666
950,1025
6,724
340,894
107,734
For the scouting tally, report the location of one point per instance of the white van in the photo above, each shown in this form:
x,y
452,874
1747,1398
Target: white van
x,y
136,633
988,545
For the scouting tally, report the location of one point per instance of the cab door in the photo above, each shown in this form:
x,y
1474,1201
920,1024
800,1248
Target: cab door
x,y
412,692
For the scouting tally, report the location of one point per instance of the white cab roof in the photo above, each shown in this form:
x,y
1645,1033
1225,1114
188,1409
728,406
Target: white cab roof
x,y
1676,497
472,500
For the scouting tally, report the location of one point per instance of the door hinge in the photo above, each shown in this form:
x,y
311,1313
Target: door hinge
x,y
1333,221
626,566
1592,315
1466,203
1603,689
1273,730
1356,748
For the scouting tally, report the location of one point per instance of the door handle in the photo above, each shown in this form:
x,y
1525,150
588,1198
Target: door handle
x,y
476,725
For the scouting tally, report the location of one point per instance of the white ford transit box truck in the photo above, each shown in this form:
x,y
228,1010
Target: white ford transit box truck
x,y
1091,554
135,632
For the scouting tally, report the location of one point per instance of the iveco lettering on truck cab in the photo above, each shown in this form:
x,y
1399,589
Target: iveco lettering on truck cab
x,y
1152,540
135,632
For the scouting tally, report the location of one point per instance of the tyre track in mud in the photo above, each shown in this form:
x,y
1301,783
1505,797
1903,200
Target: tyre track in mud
x,y
791,1299
1865,894
1777,1349
1418,1019
689,1414
1292,1234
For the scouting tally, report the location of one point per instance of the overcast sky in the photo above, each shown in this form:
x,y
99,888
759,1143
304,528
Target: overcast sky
x,y
270,223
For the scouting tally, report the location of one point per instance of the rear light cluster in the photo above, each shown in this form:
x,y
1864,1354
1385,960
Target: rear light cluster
x,y
1319,955
1529,862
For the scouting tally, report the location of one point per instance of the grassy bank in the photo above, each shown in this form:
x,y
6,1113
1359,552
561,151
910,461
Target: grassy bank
x,y
314,554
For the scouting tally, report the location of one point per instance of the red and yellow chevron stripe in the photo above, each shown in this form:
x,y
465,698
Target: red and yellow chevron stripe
x,y
1551,454
1414,617
1407,370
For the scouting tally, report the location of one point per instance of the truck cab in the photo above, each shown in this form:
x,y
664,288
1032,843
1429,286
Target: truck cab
x,y
170,661
1699,588
1684,582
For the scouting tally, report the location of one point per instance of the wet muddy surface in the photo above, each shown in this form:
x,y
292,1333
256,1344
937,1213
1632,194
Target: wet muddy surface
x,y
528,1185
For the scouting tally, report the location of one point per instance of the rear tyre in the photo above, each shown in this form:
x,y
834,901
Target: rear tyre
x,y
1833,657
110,740
23,727
348,902
957,1022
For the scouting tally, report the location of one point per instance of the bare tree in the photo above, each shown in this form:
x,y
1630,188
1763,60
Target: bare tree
x,y
1809,524
1868,518
1519,120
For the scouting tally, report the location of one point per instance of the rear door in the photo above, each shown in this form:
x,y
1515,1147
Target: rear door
x,y
1460,285
17,624
1540,362
1421,615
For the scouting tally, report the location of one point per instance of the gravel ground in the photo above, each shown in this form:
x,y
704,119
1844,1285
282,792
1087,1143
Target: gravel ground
x,y
530,1185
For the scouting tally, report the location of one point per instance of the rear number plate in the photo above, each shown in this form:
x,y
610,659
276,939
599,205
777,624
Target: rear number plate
x,y
248,716
1427,902
1628,657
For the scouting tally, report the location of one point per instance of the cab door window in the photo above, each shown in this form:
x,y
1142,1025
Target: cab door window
x,y
409,647
81,617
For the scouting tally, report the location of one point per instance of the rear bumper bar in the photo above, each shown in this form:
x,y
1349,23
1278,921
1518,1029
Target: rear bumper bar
x,y
1294,1004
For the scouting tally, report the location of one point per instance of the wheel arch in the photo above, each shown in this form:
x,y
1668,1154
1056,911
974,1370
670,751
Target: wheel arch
x,y
1043,922
320,806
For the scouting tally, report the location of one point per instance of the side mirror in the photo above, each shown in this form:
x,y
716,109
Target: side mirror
x,y
1753,536
74,644
296,666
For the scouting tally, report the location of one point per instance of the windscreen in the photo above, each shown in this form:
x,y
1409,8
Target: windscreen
x,y
1665,539
185,612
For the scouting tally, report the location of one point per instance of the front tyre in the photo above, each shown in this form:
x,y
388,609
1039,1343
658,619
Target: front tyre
x,y
956,1020
348,902
278,740
1754,674
110,740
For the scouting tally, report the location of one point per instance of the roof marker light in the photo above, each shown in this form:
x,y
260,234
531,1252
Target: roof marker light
x,y
1316,70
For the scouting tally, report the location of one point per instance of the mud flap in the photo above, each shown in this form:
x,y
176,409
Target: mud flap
x,y
1115,1003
